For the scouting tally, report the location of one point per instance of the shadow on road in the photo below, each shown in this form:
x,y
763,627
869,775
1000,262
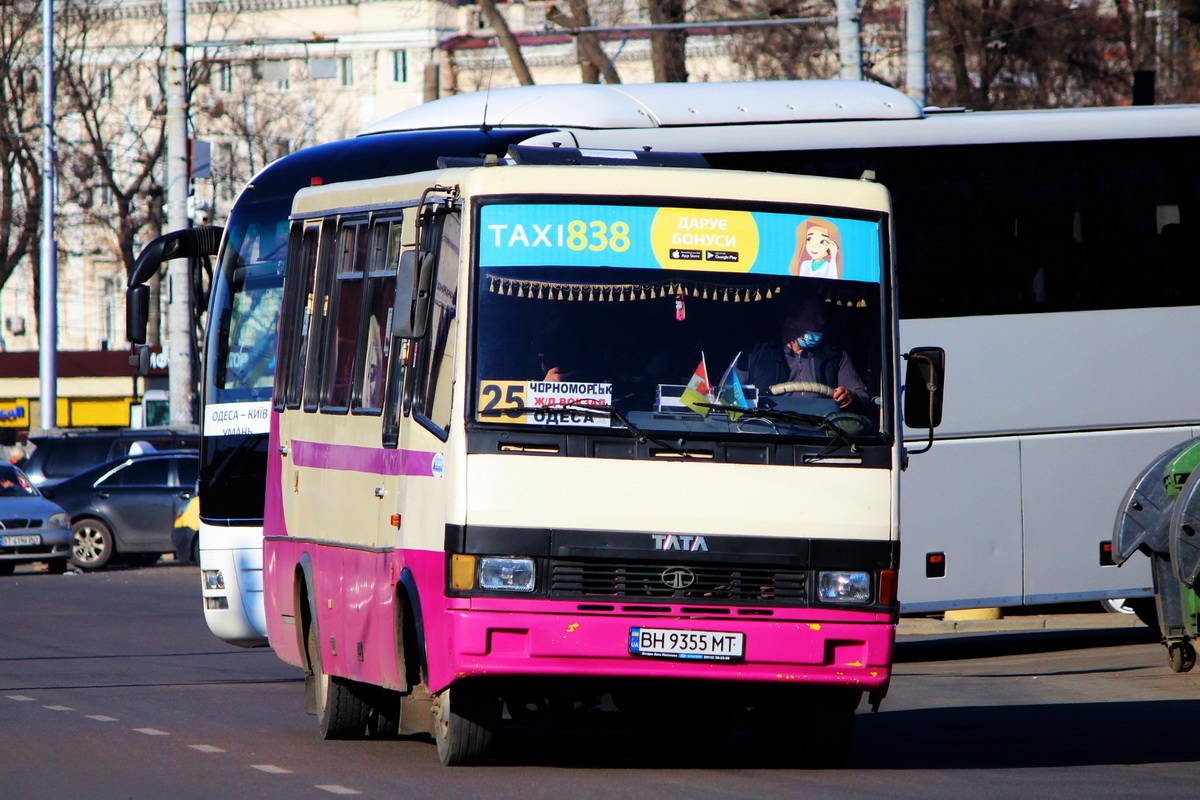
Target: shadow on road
x,y
959,646
1028,736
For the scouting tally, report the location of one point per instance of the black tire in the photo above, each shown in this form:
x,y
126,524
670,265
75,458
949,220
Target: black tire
x,y
341,710
57,566
92,545
1181,656
383,721
465,723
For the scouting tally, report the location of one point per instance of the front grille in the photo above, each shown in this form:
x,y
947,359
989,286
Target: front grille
x,y
694,583
17,523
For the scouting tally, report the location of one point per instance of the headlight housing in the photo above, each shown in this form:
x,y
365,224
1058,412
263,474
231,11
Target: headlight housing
x,y
213,579
844,587
507,574
58,520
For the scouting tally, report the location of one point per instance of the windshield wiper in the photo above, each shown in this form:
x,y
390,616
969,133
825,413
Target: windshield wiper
x,y
840,437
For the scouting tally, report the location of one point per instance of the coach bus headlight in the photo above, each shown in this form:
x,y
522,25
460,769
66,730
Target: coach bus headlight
x,y
213,579
506,574
844,587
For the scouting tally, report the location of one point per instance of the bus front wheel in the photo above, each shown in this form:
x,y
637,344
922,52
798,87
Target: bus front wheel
x,y
465,723
342,712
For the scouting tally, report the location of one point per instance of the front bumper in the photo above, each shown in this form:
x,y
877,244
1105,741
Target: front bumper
x,y
846,649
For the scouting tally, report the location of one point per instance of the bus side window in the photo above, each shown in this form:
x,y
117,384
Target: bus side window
x,y
345,304
298,281
431,391
375,339
316,318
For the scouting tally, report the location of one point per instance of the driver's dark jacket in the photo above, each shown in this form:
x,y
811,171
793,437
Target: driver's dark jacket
x,y
767,363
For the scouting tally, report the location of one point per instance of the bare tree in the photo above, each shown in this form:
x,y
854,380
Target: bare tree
x,y
20,136
115,140
507,40
781,52
595,62
1017,54
668,48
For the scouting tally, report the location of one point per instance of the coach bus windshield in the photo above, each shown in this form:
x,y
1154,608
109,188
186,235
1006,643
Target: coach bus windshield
x,y
247,294
710,323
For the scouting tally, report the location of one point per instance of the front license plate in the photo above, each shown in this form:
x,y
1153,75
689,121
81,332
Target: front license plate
x,y
19,541
687,645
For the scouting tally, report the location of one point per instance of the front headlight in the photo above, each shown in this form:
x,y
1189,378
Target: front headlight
x,y
844,587
506,574
58,520
213,579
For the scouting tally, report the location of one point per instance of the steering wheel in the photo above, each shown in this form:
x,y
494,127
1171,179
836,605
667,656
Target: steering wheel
x,y
801,386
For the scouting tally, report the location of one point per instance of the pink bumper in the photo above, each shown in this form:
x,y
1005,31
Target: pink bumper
x,y
844,651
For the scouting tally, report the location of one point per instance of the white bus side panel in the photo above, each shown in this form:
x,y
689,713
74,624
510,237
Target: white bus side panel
x,y
1120,376
1073,486
962,499
1019,373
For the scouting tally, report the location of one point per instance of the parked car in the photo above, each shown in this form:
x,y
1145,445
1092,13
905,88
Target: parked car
x,y
57,456
31,527
126,508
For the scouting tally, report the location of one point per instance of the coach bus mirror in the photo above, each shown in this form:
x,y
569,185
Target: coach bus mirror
x,y
424,298
137,313
410,312
923,388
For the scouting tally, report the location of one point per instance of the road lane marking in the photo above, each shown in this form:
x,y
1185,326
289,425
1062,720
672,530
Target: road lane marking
x,y
102,718
206,748
58,708
20,698
333,788
271,768
152,731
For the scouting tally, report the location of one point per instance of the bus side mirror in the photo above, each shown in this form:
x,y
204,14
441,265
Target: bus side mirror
x,y
923,387
137,313
414,285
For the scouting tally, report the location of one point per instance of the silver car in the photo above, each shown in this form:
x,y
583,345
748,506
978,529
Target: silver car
x,y
31,527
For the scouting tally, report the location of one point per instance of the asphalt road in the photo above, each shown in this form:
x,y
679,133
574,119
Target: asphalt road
x,y
112,687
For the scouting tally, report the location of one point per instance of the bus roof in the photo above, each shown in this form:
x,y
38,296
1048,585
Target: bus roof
x,y
625,182
773,116
656,105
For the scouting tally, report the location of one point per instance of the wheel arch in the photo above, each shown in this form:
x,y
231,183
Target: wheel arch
x,y
304,605
411,655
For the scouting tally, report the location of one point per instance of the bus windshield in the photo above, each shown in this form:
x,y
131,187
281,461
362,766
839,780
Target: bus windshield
x,y
247,301
710,323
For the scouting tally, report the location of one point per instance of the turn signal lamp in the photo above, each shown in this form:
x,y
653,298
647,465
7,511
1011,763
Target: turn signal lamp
x,y
462,572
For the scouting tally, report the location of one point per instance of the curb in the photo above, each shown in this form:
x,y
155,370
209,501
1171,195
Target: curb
x,y
1054,622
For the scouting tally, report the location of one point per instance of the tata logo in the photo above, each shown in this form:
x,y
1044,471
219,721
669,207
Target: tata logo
x,y
675,541
678,578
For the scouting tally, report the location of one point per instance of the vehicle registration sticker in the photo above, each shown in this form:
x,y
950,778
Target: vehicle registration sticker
x,y
687,645
20,541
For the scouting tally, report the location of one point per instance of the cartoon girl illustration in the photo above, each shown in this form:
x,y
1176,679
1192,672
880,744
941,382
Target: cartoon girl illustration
x,y
818,250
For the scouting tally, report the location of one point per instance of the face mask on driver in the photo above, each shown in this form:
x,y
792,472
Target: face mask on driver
x,y
809,340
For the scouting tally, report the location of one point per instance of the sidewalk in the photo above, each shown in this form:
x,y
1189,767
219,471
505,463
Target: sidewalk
x,y
1022,622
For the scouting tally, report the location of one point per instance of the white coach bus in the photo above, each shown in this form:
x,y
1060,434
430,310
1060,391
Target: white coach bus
x,y
1046,250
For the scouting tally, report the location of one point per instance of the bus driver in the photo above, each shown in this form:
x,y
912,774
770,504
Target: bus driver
x,y
804,354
